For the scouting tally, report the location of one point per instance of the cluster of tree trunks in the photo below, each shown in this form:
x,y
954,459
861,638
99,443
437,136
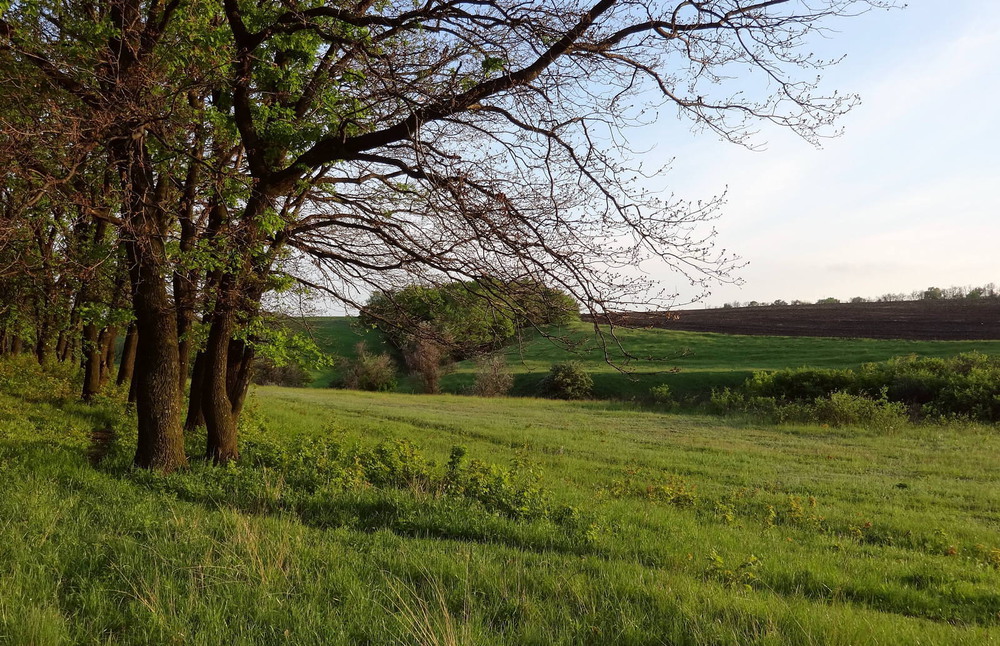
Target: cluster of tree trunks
x,y
164,159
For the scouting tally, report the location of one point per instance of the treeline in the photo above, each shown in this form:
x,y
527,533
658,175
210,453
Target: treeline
x,y
989,290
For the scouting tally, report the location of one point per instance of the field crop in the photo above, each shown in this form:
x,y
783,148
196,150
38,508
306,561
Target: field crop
x,y
648,529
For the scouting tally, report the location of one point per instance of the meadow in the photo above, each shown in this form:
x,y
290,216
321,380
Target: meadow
x,y
354,519
632,360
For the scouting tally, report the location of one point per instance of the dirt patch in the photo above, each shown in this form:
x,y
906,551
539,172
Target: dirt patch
x,y
945,320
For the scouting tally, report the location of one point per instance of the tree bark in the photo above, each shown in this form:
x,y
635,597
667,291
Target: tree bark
x,y
160,438
195,412
239,372
108,338
220,421
93,358
127,364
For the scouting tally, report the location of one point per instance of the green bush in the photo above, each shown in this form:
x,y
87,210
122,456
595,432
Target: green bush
x,y
566,380
964,386
799,384
375,372
661,394
844,409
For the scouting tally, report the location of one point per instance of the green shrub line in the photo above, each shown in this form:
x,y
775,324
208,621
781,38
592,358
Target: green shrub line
x,y
880,396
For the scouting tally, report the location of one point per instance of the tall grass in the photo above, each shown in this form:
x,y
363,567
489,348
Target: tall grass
x,y
655,528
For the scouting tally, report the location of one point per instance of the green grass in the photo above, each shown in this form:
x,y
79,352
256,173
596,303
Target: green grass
x,y
685,530
702,361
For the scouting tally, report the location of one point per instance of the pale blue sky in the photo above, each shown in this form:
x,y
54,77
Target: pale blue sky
x,y
908,197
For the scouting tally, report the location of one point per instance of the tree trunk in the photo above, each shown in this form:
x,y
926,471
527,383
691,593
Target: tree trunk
x,y
61,345
108,338
93,358
239,372
43,340
160,438
127,364
219,418
195,413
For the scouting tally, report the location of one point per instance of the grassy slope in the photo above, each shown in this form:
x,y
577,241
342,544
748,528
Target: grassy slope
x,y
705,361
901,555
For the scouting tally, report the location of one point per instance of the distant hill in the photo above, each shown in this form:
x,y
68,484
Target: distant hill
x,y
929,320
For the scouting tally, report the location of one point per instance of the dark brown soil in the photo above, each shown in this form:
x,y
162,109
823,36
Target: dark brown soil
x,y
949,320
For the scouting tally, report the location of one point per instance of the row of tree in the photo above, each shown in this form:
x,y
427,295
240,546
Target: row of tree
x,y
169,164
989,290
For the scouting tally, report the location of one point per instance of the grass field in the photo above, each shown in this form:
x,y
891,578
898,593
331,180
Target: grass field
x,y
638,528
703,361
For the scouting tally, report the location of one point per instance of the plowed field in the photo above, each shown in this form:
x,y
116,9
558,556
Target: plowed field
x,y
917,320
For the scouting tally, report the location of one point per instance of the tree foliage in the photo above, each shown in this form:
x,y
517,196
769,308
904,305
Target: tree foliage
x,y
466,318
213,152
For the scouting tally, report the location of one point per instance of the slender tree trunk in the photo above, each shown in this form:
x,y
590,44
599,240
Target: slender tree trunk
x,y
108,339
185,282
61,345
185,322
127,364
93,358
219,419
239,372
195,412
43,344
73,331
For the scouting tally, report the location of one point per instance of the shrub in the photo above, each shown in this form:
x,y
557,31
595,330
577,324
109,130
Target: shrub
x,y
566,380
661,394
268,373
493,378
798,384
844,409
376,372
963,386
426,358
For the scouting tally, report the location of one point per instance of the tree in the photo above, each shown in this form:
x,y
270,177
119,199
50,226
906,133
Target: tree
x,y
932,294
360,146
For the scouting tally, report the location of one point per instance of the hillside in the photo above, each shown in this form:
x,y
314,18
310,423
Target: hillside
x,y
914,320
691,363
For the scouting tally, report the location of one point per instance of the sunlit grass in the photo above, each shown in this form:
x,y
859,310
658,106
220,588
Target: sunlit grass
x,y
689,530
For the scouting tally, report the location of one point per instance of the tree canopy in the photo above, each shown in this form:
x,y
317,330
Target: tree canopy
x,y
201,155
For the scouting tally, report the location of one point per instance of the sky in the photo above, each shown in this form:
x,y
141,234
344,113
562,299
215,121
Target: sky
x,y
906,198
